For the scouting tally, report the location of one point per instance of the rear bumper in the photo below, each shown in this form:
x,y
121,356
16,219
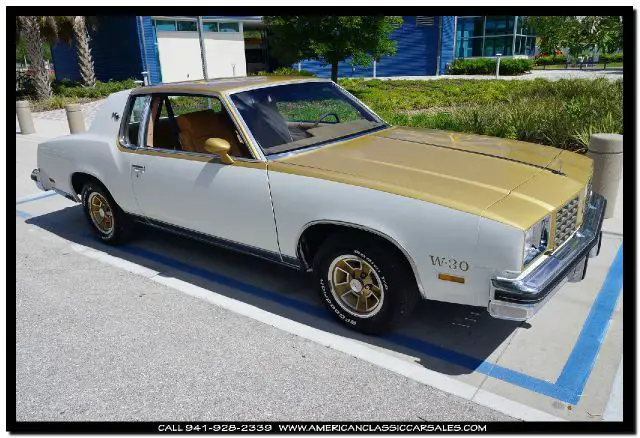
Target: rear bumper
x,y
520,298
35,176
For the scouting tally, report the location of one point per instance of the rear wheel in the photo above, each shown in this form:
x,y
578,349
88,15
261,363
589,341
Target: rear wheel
x,y
365,284
106,218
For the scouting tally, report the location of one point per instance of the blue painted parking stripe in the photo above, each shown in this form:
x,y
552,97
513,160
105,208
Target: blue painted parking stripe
x,y
227,281
35,197
585,352
23,214
468,362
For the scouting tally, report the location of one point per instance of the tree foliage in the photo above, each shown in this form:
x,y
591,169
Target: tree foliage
x,y
579,34
331,39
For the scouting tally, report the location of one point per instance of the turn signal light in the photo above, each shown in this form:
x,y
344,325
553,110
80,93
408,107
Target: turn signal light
x,y
453,278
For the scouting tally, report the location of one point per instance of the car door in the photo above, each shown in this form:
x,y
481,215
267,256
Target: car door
x,y
176,182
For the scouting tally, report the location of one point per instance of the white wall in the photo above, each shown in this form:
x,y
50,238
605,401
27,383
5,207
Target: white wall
x,y
180,60
224,49
179,54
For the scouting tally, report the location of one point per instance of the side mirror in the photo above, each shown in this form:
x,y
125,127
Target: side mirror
x,y
221,147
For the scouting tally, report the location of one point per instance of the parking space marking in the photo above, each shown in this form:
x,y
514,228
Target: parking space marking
x,y
614,409
567,388
578,367
35,197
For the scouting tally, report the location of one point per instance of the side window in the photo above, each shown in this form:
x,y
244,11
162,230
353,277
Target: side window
x,y
186,122
134,119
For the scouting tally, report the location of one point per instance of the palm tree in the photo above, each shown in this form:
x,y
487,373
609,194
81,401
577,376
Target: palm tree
x,y
51,29
77,26
36,30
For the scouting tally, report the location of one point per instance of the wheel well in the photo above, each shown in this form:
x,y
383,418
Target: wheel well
x,y
313,237
79,179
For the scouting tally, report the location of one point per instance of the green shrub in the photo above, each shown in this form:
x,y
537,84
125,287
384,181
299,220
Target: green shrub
x,y
286,71
516,66
560,113
481,66
68,88
545,60
559,59
551,60
610,57
487,66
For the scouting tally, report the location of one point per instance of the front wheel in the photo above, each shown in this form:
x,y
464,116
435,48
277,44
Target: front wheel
x,y
365,284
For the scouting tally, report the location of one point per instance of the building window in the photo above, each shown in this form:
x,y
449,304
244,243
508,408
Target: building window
x,y
487,36
495,45
165,25
229,27
469,27
468,48
499,26
187,26
210,27
192,26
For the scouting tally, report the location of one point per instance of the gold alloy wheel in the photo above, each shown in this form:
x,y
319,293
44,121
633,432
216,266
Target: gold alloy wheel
x,y
356,286
100,213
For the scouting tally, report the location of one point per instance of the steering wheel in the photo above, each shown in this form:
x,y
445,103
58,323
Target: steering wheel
x,y
323,117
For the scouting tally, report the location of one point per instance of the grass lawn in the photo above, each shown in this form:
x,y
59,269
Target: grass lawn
x,y
563,66
561,113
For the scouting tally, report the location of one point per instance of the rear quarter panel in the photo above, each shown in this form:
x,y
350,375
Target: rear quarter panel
x,y
94,152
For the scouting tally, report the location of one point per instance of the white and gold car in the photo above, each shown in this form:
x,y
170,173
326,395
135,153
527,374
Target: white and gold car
x,y
299,172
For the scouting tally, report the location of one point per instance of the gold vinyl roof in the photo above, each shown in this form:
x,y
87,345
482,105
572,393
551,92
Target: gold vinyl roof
x,y
222,85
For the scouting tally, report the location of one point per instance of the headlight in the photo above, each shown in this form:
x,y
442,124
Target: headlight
x,y
536,240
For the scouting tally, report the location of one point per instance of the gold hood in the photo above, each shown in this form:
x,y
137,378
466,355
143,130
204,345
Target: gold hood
x,y
510,181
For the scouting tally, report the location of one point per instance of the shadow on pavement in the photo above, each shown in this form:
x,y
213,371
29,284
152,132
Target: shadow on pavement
x,y
447,338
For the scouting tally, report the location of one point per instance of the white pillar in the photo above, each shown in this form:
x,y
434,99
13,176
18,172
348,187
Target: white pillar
x,y
606,152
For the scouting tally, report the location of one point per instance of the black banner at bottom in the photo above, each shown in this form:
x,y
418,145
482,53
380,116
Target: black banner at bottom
x,y
177,427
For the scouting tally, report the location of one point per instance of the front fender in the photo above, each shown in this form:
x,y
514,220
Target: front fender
x,y
427,233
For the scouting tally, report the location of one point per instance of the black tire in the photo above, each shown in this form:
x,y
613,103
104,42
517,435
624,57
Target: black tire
x,y
397,282
123,225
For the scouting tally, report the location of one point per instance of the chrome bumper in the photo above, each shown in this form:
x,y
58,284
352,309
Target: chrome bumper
x,y
520,298
35,176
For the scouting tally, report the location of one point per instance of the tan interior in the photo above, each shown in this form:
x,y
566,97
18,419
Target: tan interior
x,y
196,128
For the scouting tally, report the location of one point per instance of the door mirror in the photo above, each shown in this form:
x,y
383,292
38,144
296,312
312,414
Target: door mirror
x,y
221,147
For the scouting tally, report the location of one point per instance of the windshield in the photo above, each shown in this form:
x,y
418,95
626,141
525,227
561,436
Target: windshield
x,y
283,118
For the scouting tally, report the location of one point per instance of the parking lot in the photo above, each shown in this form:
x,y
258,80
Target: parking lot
x,y
169,327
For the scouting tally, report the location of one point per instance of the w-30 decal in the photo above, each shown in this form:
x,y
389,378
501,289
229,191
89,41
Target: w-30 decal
x,y
450,262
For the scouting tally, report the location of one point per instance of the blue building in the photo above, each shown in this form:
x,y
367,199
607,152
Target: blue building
x,y
125,46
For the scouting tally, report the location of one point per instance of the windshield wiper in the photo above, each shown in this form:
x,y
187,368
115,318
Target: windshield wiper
x,y
277,150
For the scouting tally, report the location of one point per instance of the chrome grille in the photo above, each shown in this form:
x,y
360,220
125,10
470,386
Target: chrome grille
x,y
566,219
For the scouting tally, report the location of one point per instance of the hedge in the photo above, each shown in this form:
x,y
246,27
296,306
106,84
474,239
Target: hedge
x,y
610,57
285,71
551,60
487,66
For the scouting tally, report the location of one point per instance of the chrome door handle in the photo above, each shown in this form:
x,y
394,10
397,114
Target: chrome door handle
x,y
137,169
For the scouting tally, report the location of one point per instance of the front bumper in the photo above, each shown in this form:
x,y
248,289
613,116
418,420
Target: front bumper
x,y
520,298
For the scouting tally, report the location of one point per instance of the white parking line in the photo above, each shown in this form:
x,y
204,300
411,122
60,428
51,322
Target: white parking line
x,y
613,411
408,369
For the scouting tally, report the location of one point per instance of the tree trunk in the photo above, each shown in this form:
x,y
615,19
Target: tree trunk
x,y
85,61
334,71
34,54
